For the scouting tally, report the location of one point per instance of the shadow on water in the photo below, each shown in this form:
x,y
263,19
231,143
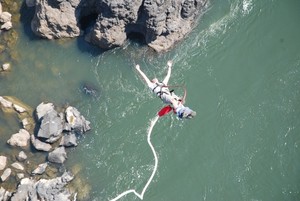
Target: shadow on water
x,y
27,14
84,46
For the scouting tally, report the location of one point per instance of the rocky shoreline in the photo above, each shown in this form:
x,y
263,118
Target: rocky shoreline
x,y
108,24
25,173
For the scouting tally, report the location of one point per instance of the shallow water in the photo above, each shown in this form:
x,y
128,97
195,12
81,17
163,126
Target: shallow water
x,y
240,66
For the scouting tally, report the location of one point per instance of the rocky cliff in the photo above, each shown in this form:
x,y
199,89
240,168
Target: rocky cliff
x,y
161,22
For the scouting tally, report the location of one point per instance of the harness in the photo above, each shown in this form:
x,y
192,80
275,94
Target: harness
x,y
161,91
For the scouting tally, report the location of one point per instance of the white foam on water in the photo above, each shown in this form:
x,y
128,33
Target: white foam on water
x,y
247,7
141,195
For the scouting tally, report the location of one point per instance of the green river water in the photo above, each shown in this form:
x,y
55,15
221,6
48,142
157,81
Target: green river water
x,y
241,68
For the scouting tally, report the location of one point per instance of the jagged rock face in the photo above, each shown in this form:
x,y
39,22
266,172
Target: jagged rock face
x,y
161,22
56,19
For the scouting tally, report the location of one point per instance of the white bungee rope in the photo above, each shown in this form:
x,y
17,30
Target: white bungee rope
x,y
141,195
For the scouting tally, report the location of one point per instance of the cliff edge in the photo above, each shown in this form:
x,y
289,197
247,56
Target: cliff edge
x,y
161,22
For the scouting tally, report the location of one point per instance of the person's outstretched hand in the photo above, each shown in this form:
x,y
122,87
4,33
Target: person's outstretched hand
x,y
170,63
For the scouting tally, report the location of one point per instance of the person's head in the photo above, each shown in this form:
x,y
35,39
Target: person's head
x,y
154,80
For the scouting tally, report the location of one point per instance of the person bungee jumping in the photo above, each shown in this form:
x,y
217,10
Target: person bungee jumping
x,y
161,89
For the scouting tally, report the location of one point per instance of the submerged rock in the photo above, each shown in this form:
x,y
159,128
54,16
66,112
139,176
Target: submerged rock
x,y
17,166
89,89
40,169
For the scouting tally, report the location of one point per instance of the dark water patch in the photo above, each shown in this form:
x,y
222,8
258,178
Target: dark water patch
x,y
136,38
89,89
27,14
86,47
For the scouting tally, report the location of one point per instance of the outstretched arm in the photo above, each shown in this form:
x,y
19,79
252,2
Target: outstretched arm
x,y
166,80
137,67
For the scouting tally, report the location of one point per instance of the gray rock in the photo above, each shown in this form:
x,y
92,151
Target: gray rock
x,y
5,174
77,122
5,17
0,8
51,127
162,23
25,122
68,140
19,109
26,191
43,109
39,145
21,156
40,169
56,20
19,139
5,103
50,190
4,194
3,161
18,166
58,155
6,26
5,66
53,189
20,175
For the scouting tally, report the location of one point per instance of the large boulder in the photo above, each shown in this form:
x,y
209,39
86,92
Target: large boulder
x,y
161,22
50,190
51,127
43,109
26,190
19,139
55,19
76,121
53,189
4,194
